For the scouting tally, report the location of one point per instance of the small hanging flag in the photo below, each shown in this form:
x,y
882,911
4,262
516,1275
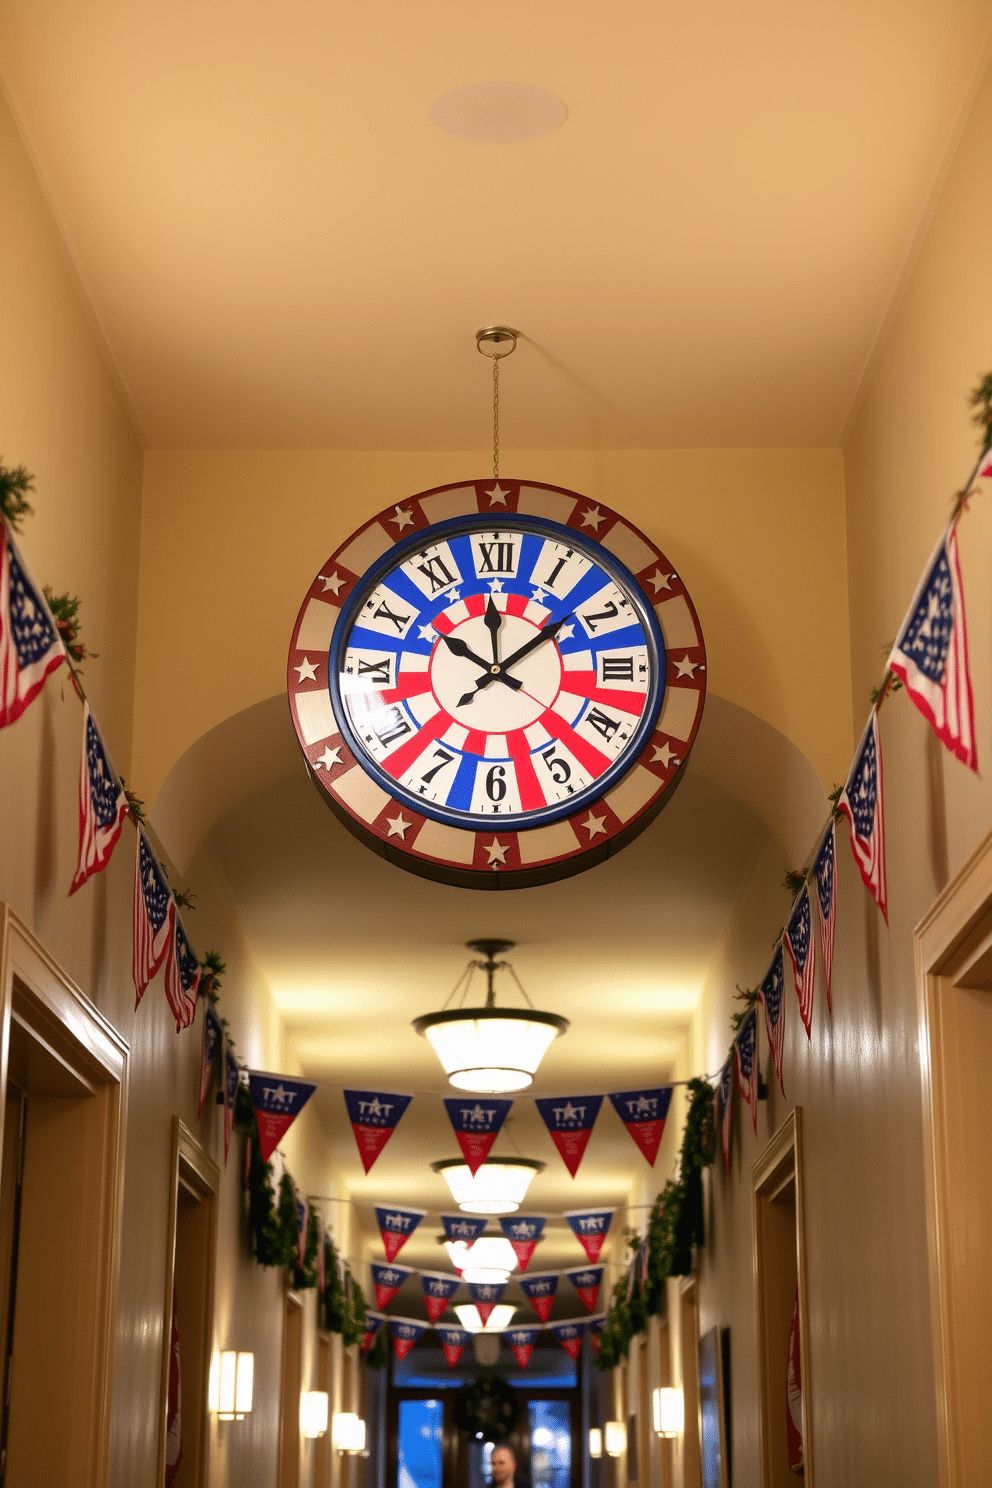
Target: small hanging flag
x,y
387,1281
985,463
477,1124
374,1116
453,1342
570,1121
154,908
643,1113
725,1106
539,1290
826,903
861,802
102,804
587,1281
213,1036
278,1100
460,1227
590,1227
631,1279
396,1226
931,652
799,943
569,1335
302,1218
232,1078
522,1341
405,1334
794,1396
182,975
770,995
746,1046
322,1263
595,1326
30,644
438,1289
523,1232
373,1322
486,1295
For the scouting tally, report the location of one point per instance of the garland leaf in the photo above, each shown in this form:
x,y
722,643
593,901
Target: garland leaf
x,y
15,487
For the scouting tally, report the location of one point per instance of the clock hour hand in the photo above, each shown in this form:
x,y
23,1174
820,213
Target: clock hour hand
x,y
493,620
459,648
547,633
496,673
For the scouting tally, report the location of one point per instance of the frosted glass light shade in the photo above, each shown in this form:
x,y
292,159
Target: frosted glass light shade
x,y
615,1438
231,1384
595,1442
500,1317
490,1050
668,1411
348,1434
313,1413
499,1186
490,1258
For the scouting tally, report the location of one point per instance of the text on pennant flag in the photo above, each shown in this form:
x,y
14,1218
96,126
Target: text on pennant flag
x,y
486,1295
570,1121
387,1281
278,1100
522,1341
523,1232
771,992
590,1227
862,803
453,1343
373,1322
643,1113
540,1292
30,644
746,1049
799,943
587,1281
396,1226
102,805
477,1124
213,1035
825,878
374,1115
569,1335
438,1290
460,1227
931,653
405,1334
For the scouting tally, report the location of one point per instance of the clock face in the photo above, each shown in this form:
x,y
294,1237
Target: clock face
x,y
496,684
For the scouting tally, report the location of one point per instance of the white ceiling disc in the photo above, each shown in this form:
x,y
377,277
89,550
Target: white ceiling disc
x,y
498,113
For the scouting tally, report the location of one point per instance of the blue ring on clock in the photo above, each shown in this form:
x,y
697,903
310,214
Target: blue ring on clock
x,y
603,567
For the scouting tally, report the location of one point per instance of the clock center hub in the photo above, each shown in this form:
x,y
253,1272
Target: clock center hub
x,y
497,707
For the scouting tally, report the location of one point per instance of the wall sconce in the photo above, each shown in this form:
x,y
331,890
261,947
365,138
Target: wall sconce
x,y
313,1413
232,1377
668,1411
616,1438
595,1442
349,1432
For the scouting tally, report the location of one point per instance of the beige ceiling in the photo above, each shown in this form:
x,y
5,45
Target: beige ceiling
x,y
282,251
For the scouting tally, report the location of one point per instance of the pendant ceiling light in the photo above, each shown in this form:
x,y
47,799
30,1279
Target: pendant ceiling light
x,y
490,1049
490,1258
500,1317
498,1186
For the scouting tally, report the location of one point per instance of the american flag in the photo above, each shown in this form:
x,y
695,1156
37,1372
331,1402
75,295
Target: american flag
x,y
861,803
30,644
799,942
232,1079
302,1220
985,463
213,1036
725,1106
102,804
154,909
182,975
931,652
770,993
825,877
746,1046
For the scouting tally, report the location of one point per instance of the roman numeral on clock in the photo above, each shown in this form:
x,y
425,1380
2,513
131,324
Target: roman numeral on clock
x,y
618,668
377,671
385,613
590,621
496,557
435,570
394,725
602,723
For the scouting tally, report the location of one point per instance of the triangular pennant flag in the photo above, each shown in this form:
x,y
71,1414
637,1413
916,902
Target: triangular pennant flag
x,y
459,1227
771,998
861,802
405,1334
374,1116
724,1106
182,975
590,1227
522,1341
102,804
523,1232
570,1121
569,1335
438,1288
486,1295
302,1219
30,644
746,1047
826,903
213,1036
587,1281
596,1326
387,1281
476,1124
396,1226
154,908
798,940
539,1290
453,1342
373,1322
232,1078
643,1113
278,1100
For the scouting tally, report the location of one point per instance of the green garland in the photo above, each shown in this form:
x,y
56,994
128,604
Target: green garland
x,y
344,1304
486,1407
378,1354
675,1225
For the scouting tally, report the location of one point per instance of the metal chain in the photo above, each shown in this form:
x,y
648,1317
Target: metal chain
x,y
496,362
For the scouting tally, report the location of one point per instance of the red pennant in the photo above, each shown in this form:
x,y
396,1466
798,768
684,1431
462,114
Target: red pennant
x,y
589,1297
371,1140
524,1251
572,1346
592,1245
522,1352
392,1243
436,1306
594,1340
647,1135
571,1146
452,1352
476,1147
485,1311
402,1346
542,1306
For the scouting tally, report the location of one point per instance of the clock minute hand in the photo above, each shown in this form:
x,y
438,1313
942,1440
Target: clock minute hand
x,y
546,634
492,621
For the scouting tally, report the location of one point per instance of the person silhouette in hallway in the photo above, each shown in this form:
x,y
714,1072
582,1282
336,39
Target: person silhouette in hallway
x,y
503,1467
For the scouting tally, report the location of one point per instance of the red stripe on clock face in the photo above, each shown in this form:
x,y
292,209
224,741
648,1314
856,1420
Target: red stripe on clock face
x,y
583,684
404,755
475,742
587,754
531,795
408,684
515,604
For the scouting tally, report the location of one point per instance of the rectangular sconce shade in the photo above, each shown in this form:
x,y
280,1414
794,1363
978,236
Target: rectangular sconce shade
x,y
232,1378
668,1411
313,1413
349,1432
595,1442
616,1438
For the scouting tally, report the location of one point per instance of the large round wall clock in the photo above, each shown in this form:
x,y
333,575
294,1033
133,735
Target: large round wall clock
x,y
497,684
